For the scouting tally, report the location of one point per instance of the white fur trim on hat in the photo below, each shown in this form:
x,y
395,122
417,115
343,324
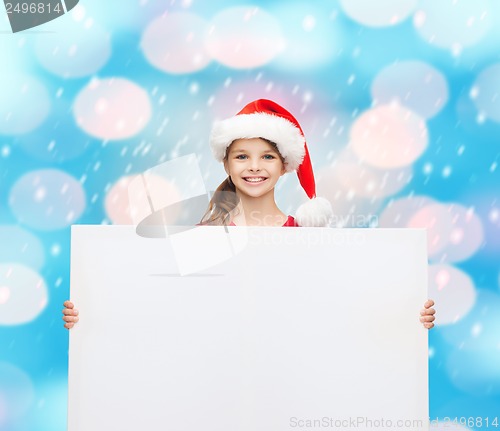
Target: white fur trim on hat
x,y
316,212
283,133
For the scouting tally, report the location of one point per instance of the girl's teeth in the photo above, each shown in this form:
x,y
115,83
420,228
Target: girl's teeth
x,y
255,180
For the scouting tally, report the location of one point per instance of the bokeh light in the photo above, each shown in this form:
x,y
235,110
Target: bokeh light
x,y
21,246
436,219
349,208
379,14
311,36
81,52
47,199
55,141
365,180
175,43
389,136
486,93
24,104
17,394
112,108
480,329
453,292
399,212
244,37
23,294
414,84
466,235
475,372
466,22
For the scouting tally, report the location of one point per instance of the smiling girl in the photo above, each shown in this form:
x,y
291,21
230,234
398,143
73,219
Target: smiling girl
x,y
258,146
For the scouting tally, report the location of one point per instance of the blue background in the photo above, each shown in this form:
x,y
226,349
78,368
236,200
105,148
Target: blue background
x,y
341,59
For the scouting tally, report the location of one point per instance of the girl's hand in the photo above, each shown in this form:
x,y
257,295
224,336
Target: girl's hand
x,y
70,314
427,314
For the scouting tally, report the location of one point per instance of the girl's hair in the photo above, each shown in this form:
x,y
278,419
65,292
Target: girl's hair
x,y
225,199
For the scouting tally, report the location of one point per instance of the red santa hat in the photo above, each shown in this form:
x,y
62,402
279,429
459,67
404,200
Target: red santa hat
x,y
266,119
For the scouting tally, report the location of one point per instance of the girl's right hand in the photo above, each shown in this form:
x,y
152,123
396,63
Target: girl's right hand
x,y
70,314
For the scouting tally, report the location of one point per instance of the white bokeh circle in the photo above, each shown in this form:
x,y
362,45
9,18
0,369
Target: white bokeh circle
x,y
112,108
453,292
23,294
379,13
452,24
480,329
306,26
17,394
47,199
244,37
475,372
414,84
21,246
175,43
81,52
24,104
389,136
486,93
398,212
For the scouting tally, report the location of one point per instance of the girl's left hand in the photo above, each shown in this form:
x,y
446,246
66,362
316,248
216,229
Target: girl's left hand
x,y
427,314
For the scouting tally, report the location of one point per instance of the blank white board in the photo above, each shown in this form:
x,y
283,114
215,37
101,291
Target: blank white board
x,y
301,327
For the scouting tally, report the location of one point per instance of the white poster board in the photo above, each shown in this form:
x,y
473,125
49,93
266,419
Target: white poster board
x,y
301,328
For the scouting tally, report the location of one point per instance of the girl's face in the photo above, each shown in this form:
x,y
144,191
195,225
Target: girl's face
x,y
254,166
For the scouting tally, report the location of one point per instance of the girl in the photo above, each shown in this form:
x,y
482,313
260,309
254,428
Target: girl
x,y
257,146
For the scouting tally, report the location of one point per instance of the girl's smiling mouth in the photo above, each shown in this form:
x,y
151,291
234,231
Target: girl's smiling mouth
x,y
254,180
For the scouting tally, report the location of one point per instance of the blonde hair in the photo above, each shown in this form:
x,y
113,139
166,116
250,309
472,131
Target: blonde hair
x,y
225,199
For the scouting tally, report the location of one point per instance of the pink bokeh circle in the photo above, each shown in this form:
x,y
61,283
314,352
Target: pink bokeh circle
x,y
436,219
389,136
244,37
175,43
112,108
398,213
126,205
466,236
368,181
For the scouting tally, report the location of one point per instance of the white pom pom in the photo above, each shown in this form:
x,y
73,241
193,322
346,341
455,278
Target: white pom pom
x,y
315,213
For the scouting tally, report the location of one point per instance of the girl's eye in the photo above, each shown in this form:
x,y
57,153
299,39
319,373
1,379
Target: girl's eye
x,y
241,156
269,157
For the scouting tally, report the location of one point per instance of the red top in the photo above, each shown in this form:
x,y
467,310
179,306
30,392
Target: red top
x,y
290,222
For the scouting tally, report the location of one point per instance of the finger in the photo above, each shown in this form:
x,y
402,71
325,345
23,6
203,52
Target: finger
x,y
425,311
68,304
429,303
428,325
69,325
70,319
427,319
70,312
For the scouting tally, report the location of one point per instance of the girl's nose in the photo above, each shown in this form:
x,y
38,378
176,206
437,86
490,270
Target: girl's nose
x,y
254,164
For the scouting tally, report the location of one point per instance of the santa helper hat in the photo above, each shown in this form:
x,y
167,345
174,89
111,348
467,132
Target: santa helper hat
x,y
266,119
